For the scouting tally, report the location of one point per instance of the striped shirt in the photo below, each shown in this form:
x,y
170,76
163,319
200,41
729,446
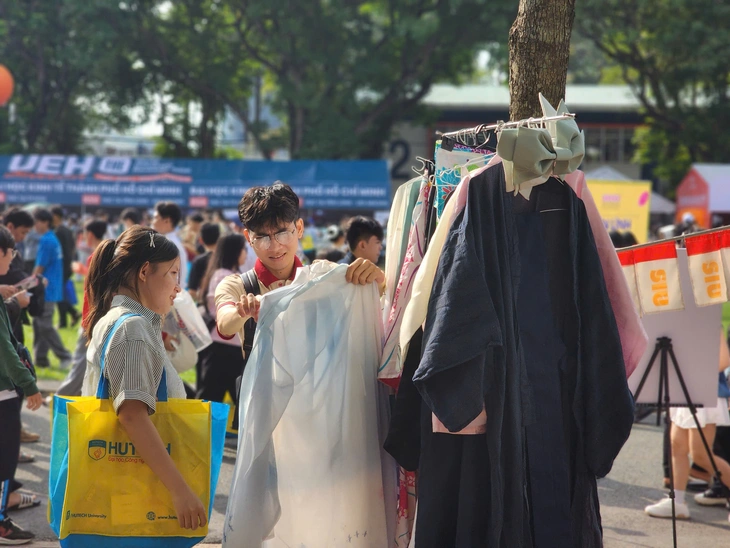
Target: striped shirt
x,y
134,359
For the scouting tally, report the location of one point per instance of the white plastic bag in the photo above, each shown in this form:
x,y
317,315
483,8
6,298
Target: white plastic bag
x,y
184,356
190,321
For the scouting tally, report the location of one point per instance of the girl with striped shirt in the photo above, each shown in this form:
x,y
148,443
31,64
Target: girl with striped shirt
x,y
138,273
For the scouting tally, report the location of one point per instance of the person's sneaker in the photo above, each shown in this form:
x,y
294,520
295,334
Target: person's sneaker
x,y
26,436
25,458
12,535
663,509
716,495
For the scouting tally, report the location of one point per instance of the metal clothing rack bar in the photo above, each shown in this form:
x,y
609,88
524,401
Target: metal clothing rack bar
x,y
675,238
501,125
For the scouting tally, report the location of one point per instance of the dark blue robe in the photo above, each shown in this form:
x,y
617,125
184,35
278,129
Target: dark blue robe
x,y
477,338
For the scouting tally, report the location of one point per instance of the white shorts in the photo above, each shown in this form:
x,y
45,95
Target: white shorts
x,y
682,416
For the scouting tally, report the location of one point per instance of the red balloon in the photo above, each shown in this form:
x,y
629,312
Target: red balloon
x,y
6,85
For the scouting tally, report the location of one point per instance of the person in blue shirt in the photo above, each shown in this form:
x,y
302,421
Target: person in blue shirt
x,y
49,264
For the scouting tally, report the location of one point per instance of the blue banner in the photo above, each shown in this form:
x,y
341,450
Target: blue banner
x,y
142,182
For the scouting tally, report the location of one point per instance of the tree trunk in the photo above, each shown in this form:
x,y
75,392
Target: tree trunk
x,y
207,131
539,48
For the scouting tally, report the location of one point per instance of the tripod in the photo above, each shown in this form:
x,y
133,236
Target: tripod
x,y
664,350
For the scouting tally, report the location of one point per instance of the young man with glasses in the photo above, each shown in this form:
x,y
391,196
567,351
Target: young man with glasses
x,y
270,216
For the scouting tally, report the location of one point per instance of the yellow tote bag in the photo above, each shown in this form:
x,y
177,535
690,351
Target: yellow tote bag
x,y
110,489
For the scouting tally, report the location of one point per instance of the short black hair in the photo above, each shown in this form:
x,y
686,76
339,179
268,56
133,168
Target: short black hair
x,y
43,215
6,239
629,239
362,228
209,233
19,217
197,218
97,228
169,210
268,206
130,214
58,211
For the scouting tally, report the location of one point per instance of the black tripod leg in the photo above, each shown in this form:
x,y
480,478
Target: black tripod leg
x,y
663,393
664,387
657,348
645,376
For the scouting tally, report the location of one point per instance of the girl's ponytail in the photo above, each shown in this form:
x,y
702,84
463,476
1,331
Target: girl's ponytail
x,y
99,285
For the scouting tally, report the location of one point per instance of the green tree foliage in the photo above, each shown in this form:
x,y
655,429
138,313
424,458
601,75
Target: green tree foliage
x,y
190,48
676,56
588,65
70,75
346,71
339,73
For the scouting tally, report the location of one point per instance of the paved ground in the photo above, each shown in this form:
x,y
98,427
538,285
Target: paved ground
x,y
634,482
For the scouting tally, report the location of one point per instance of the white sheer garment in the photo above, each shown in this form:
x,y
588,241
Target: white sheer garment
x,y
308,472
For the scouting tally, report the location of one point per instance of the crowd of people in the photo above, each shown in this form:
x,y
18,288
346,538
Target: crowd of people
x,y
47,250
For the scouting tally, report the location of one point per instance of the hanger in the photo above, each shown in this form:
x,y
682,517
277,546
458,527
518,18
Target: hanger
x,y
530,122
462,166
426,165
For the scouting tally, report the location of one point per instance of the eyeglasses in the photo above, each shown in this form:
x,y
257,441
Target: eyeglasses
x,y
263,243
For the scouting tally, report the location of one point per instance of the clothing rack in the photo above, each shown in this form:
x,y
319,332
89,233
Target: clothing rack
x,y
675,238
529,122
430,209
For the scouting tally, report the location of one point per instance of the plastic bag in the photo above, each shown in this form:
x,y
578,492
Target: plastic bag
x,y
190,322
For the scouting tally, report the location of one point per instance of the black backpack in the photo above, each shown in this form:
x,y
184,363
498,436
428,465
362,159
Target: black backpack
x,y
250,285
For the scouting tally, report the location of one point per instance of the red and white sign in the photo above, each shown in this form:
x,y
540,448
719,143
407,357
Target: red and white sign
x,y
198,201
657,278
91,199
706,269
627,260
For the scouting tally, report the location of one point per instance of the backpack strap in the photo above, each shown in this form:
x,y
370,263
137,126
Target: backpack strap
x,y
250,286
102,389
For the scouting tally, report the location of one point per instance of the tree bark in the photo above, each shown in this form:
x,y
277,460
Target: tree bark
x,y
539,48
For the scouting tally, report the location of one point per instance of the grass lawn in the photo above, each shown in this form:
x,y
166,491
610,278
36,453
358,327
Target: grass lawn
x,y
69,336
